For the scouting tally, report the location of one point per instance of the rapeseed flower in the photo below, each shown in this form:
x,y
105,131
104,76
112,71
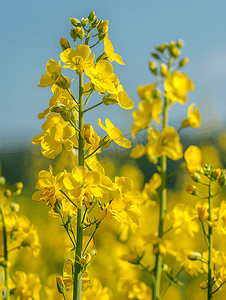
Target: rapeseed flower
x,y
177,86
109,52
194,118
53,74
114,134
49,187
79,59
193,158
102,77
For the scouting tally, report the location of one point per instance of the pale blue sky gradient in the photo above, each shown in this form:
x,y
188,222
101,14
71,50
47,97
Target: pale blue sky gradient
x,y
30,34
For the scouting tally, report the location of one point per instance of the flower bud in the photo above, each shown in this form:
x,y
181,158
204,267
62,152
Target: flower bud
x,y
80,32
157,93
216,173
194,256
2,180
73,34
105,142
180,43
191,189
222,179
101,36
164,71
19,185
153,67
74,22
74,114
64,44
185,123
102,216
64,82
5,264
84,22
196,177
175,52
14,206
103,26
60,285
8,193
183,62
155,55
92,16
65,114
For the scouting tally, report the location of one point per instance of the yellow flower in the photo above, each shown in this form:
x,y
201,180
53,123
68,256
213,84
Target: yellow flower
x,y
145,92
193,158
53,73
54,135
114,134
60,102
27,286
121,98
78,59
102,77
150,189
167,143
194,118
134,290
147,110
81,184
177,86
109,52
49,187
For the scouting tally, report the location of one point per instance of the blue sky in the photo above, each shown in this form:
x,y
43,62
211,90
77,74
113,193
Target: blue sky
x,y
30,34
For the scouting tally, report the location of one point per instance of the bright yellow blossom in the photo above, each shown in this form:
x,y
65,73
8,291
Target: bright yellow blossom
x,y
114,134
53,74
79,59
109,52
81,184
134,290
96,292
167,143
193,158
54,136
49,187
150,189
177,86
102,77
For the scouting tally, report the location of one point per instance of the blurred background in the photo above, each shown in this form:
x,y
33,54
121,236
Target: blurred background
x,y
30,34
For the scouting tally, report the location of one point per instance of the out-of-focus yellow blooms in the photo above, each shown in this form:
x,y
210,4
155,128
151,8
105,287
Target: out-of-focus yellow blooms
x,y
138,151
194,118
109,52
27,286
79,59
53,74
96,292
114,134
145,92
193,158
192,267
164,71
102,77
177,86
134,290
167,143
49,187
182,218
202,209
150,189
221,276
218,259
125,186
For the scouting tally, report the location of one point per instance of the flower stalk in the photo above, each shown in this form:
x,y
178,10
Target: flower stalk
x,y
6,290
162,212
210,244
78,252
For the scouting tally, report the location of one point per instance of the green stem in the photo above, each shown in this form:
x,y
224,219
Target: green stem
x,y
78,254
7,291
87,99
93,107
210,245
162,212
97,225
